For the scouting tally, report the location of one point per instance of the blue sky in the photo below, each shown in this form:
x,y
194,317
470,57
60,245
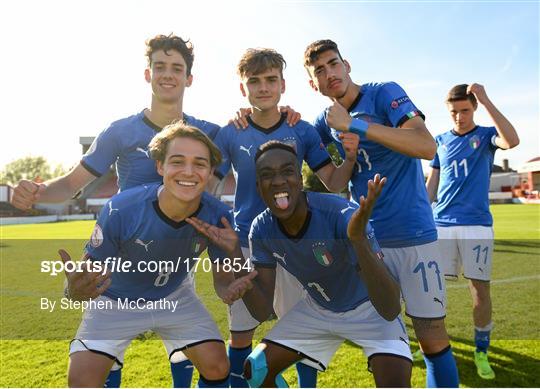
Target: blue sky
x,y
71,68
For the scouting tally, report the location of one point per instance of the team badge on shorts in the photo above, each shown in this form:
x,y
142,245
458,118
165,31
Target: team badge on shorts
x,y
96,239
322,255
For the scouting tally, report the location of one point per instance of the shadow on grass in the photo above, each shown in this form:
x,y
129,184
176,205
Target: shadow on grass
x,y
512,369
505,246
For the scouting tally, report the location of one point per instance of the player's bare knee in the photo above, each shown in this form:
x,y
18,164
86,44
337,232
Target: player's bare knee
x,y
88,370
391,371
215,369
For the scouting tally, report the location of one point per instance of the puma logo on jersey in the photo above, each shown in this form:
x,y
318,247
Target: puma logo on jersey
x,y
248,150
346,209
145,152
111,209
145,245
436,300
276,255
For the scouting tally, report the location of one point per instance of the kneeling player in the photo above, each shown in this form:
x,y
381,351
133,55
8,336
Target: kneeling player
x,y
326,243
151,223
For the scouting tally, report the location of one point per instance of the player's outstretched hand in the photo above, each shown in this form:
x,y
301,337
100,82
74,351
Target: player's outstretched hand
x,y
225,238
479,92
26,193
350,144
293,117
338,117
84,285
356,229
240,120
238,287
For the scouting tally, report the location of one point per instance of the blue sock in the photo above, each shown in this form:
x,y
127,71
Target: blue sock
x,y
114,379
237,356
441,370
307,376
481,339
182,373
204,383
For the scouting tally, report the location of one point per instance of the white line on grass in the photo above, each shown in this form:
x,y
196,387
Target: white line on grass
x,y
493,282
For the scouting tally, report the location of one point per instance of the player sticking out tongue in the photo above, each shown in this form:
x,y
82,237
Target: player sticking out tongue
x,y
282,200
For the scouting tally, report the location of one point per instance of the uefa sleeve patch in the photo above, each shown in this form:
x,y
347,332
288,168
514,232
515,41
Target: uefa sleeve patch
x,y
397,102
96,239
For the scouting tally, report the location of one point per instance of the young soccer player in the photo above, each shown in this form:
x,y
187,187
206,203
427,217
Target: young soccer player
x,y
392,137
328,245
125,143
139,225
459,180
262,83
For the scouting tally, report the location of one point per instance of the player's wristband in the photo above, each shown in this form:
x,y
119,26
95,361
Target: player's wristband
x,y
359,127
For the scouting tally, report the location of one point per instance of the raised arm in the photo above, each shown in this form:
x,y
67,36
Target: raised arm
x,y
383,290
336,178
26,193
507,136
412,138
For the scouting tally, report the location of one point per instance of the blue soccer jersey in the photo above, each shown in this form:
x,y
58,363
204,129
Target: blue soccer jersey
x,y
465,163
238,148
125,143
131,226
402,215
321,256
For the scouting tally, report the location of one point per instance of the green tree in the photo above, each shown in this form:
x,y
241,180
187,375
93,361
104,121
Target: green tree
x,y
311,181
29,168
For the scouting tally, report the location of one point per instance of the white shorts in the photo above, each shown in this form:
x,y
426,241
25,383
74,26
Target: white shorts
x,y
419,273
110,331
469,248
288,292
317,333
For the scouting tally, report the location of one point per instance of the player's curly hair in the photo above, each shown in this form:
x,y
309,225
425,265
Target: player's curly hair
x,y
171,42
256,61
459,93
316,48
160,143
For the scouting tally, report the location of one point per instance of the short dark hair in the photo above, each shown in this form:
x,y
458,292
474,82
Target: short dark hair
x,y
271,145
256,61
459,93
317,48
171,42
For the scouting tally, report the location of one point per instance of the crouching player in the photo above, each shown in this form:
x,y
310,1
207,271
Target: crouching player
x,y
326,243
147,223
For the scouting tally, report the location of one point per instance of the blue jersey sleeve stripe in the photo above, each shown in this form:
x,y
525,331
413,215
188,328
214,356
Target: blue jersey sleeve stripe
x,y
408,116
90,169
322,164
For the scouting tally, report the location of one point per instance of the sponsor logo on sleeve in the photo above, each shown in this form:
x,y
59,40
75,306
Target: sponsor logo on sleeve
x,y
397,102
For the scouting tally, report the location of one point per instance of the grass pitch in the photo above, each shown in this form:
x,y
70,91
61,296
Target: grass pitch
x,y
34,343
